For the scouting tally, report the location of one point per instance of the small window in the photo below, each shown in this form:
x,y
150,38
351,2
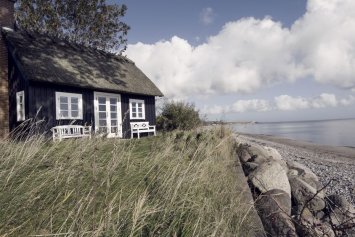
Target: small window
x,y
20,105
68,106
136,109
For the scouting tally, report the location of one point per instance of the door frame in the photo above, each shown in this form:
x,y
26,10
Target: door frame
x,y
108,116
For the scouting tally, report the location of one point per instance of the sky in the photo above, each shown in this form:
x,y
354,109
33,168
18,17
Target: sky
x,y
251,60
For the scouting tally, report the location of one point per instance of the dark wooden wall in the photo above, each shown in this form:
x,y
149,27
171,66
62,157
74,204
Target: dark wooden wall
x,y
149,102
43,107
16,83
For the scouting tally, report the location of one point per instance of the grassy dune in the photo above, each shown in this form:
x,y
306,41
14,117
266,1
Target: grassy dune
x,y
176,184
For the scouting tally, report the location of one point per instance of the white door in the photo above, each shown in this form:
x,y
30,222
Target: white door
x,y
108,118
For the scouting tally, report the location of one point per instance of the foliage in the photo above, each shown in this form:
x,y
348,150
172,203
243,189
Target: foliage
x,y
178,115
179,184
88,22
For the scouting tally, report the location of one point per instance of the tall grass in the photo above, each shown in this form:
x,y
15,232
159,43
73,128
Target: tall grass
x,y
178,184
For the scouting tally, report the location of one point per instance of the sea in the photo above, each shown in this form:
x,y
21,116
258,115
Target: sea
x,y
339,132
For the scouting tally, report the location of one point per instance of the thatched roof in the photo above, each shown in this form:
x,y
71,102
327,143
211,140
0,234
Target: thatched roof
x,y
44,59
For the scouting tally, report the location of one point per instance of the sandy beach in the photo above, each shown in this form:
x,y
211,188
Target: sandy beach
x,y
328,162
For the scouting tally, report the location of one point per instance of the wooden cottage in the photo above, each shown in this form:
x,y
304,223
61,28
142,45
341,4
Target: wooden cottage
x,y
64,83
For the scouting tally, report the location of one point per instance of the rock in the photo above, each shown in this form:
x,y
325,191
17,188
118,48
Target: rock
x,y
248,167
274,208
262,154
341,213
337,201
303,193
243,154
303,172
270,175
311,226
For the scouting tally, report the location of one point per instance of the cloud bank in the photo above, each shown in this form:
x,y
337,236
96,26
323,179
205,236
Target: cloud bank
x,y
281,103
252,53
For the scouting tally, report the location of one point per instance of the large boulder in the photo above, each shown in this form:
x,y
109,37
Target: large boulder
x,y
270,175
303,172
304,194
261,154
243,153
274,208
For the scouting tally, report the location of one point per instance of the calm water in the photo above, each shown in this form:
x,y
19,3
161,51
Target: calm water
x,y
326,132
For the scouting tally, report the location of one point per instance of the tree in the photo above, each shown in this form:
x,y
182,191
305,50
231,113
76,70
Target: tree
x,y
178,115
87,22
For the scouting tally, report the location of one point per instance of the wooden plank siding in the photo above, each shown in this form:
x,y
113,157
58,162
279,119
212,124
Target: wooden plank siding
x,y
149,102
16,83
42,106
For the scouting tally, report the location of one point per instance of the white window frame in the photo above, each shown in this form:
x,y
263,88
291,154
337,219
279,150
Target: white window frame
x,y
131,112
20,106
70,96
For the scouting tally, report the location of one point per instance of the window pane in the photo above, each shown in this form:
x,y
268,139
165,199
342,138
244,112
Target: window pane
x,y
102,107
75,114
114,130
102,123
113,122
102,115
102,100
63,106
140,115
140,105
113,101
113,115
63,99
64,114
113,108
134,115
139,109
134,104
75,100
74,106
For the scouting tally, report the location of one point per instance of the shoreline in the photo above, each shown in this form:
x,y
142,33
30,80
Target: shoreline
x,y
327,162
341,153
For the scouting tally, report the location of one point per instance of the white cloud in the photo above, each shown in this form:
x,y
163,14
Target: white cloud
x,y
286,102
324,100
207,15
348,101
282,103
251,105
252,53
239,106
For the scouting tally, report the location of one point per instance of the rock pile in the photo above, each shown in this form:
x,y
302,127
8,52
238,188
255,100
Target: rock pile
x,y
290,199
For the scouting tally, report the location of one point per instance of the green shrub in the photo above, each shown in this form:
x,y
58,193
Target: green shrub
x,y
178,115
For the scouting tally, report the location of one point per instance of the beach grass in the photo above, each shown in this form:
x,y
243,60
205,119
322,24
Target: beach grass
x,y
175,184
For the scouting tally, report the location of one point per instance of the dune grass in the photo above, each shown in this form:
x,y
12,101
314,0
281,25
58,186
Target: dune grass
x,y
176,184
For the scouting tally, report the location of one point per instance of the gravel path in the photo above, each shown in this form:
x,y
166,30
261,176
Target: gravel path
x,y
328,163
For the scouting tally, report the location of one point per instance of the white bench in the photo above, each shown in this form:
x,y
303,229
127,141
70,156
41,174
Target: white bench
x,y
141,127
70,131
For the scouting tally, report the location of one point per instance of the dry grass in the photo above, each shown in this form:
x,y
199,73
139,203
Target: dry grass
x,y
177,184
